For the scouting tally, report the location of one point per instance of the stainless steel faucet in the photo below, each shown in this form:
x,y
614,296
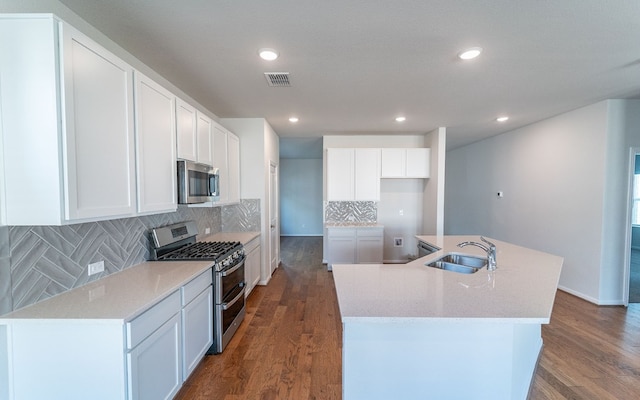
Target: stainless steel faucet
x,y
490,248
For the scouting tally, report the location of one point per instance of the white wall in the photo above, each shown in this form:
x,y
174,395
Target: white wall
x,y
434,189
301,197
623,133
563,188
401,195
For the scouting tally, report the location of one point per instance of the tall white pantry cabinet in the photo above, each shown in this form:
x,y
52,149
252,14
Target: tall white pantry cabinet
x,y
67,122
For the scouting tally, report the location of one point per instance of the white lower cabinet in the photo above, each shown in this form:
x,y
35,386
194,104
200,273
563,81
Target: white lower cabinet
x,y
252,264
147,357
369,245
154,366
154,357
354,245
197,321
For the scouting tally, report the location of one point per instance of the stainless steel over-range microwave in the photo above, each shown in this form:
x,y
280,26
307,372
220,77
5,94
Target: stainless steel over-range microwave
x,y
197,183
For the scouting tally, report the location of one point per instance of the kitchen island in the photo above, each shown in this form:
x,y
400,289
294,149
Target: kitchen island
x,y
416,332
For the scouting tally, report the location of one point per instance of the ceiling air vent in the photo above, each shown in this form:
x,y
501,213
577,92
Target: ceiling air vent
x,y
277,79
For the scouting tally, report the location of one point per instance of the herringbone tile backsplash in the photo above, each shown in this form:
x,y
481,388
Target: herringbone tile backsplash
x,y
351,211
37,262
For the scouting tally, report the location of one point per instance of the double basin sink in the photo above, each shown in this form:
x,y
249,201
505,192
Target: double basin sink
x,y
460,263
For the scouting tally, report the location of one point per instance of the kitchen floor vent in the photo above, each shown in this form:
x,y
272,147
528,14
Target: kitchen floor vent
x,y
278,79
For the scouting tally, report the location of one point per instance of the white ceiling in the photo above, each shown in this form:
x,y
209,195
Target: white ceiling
x,y
356,64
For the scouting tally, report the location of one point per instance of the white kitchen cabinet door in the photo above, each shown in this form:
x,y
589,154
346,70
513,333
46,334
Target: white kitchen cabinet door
x,y
340,174
99,140
155,146
68,104
353,174
405,162
233,173
197,330
220,160
367,175
369,245
418,162
252,264
341,247
204,135
393,163
187,141
154,366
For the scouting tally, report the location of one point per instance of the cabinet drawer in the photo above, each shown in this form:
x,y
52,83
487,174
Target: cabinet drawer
x,y
248,248
370,232
341,232
196,286
152,319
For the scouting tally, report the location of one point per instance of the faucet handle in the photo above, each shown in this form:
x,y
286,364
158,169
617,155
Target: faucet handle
x,y
487,242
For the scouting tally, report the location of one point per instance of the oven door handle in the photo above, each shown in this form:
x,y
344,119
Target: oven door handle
x,y
232,270
226,306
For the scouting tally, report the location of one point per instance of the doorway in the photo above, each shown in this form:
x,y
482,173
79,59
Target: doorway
x,y
633,229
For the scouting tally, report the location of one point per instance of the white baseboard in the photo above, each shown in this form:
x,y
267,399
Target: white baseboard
x,y
591,299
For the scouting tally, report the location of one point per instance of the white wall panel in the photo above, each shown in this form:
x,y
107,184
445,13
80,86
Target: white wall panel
x,y
561,194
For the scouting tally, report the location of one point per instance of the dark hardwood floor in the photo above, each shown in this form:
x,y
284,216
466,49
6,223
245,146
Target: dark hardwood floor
x,y
290,343
289,346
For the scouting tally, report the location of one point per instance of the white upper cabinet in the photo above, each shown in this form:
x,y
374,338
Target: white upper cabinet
x,y
226,157
99,136
68,128
187,140
220,160
233,161
405,163
353,174
155,146
194,134
340,174
367,174
204,134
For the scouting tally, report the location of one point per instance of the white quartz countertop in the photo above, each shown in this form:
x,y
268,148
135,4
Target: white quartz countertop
x,y
353,225
242,237
120,296
521,290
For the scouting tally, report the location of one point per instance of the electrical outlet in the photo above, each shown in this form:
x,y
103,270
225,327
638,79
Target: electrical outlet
x,y
96,268
401,212
207,231
398,242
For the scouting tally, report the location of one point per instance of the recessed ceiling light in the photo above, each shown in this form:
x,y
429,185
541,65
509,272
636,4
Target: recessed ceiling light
x,y
470,53
401,119
502,119
293,119
268,54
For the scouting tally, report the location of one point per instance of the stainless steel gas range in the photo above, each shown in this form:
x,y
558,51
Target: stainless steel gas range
x,y
177,242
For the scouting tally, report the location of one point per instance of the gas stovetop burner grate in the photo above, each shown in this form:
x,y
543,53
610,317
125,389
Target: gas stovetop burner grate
x,y
214,251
